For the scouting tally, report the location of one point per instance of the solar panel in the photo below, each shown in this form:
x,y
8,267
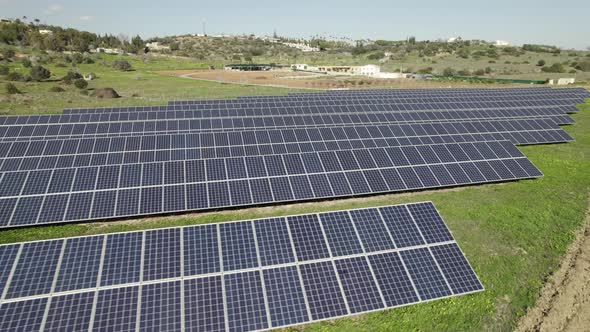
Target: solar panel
x,y
190,278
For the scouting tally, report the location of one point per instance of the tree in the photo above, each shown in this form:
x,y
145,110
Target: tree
x,y
174,46
39,73
449,71
26,62
554,68
137,44
541,63
11,89
4,70
583,66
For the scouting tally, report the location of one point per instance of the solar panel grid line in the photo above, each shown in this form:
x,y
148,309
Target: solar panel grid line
x,y
356,232
222,272
264,292
11,274
98,282
48,305
345,300
141,269
182,284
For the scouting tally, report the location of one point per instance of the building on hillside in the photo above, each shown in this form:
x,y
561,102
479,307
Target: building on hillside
x,y
454,39
366,70
6,20
45,32
302,47
156,46
249,66
566,81
501,43
301,66
109,50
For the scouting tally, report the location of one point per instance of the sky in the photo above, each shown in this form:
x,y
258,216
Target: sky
x,y
562,23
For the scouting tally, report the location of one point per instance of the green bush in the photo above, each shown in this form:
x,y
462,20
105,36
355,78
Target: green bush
x,y
479,72
449,71
541,63
11,89
39,73
26,63
427,70
464,72
122,65
80,83
15,77
554,68
56,89
376,56
61,65
4,70
583,66
7,53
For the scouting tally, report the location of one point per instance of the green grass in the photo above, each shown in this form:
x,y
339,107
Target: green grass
x,y
138,87
514,234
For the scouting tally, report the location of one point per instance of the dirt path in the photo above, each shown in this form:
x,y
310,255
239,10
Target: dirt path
x,y
564,304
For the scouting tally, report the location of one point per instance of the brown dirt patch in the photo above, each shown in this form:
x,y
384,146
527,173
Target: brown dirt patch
x,y
564,304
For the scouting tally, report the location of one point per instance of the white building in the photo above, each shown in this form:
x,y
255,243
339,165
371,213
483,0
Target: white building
x,y
501,43
302,47
566,81
367,70
109,50
300,66
453,39
155,46
45,32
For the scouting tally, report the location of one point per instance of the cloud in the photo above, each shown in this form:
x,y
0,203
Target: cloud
x,y
86,18
54,9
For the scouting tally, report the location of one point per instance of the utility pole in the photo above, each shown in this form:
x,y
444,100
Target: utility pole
x,y
204,28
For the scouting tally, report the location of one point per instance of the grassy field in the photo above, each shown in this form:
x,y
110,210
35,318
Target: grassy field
x,y
513,234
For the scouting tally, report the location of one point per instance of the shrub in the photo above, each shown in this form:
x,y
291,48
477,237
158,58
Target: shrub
x,y
122,65
61,65
554,68
479,72
26,63
80,83
39,73
4,70
464,72
8,53
573,71
376,56
541,63
491,61
488,70
449,71
56,89
11,89
427,70
70,77
583,66
15,77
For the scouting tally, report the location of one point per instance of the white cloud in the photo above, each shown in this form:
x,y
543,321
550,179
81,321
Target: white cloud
x,y
54,9
86,18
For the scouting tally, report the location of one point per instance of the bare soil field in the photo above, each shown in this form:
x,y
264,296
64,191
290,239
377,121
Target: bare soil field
x,y
564,304
315,81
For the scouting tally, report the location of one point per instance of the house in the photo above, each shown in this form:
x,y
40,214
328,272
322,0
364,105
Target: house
x,y
300,66
156,46
45,32
302,47
501,43
109,50
566,81
366,70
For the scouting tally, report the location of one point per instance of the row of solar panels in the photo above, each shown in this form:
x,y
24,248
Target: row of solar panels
x,y
158,148
124,128
414,103
246,275
78,194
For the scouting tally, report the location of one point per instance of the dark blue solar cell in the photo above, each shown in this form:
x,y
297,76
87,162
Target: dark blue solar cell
x,y
359,287
312,163
79,264
281,189
426,177
401,226
174,198
261,192
85,179
23,315
215,169
286,303
294,164
364,159
429,281
195,170
528,167
151,200
339,184
79,206
238,246
218,194
357,182
456,269
371,230
104,204
301,187
275,165
376,181
393,280
255,167
174,172
122,259
240,192
127,202
320,185
245,301
152,174
236,168
341,234
196,196
410,178
12,183
274,245
204,304
35,269
27,210
330,161
430,223
70,312
472,172
347,160
7,256
61,181
162,254
160,307
116,309
514,168
130,175
201,250
308,238
323,292
393,179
